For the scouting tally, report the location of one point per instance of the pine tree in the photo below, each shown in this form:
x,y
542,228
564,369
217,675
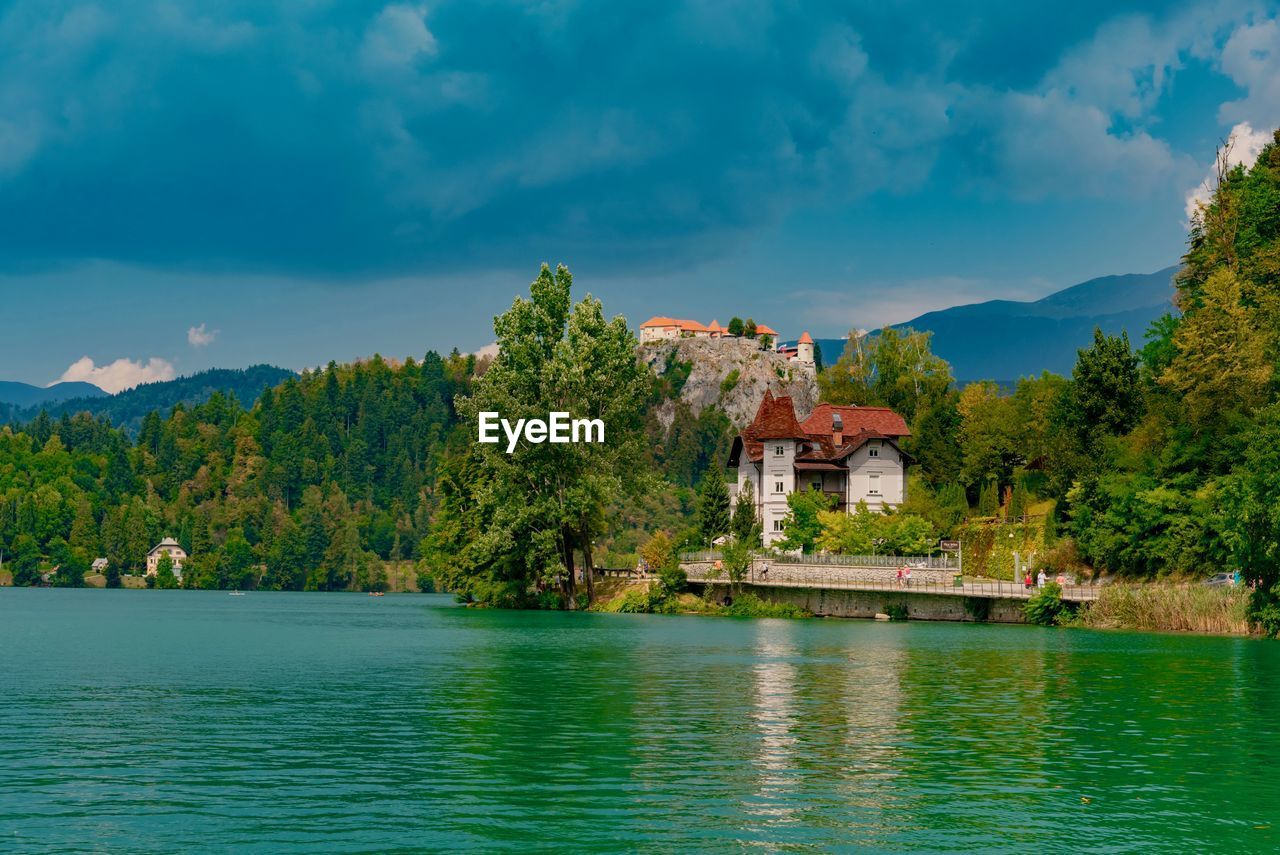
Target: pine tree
x,y
713,505
746,527
989,500
1018,499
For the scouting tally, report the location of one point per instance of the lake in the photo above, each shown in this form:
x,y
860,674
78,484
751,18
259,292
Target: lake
x,y
155,721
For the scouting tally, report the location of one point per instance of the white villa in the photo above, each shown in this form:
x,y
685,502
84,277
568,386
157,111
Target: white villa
x,y
664,329
173,549
850,453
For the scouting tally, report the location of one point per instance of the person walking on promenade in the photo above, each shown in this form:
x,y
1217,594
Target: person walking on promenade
x,y
1040,579
1026,582
899,577
906,576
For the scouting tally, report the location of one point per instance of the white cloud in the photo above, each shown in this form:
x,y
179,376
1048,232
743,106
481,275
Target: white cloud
x,y
489,350
398,37
1246,145
199,336
1251,58
119,375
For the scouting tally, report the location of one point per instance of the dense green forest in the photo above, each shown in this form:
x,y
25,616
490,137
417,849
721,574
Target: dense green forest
x,y
326,477
127,409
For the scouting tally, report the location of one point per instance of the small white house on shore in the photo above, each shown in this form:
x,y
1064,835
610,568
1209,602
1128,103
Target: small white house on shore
x,y
169,547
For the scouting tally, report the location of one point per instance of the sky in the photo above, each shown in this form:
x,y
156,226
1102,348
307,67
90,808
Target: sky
x,y
186,185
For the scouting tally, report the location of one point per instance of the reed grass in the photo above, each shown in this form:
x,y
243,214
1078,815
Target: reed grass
x,y
1190,607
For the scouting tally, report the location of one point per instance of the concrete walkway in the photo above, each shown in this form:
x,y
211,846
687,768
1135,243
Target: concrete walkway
x,y
940,582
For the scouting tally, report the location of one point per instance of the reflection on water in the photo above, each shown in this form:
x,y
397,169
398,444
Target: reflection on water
x,y
160,721
771,710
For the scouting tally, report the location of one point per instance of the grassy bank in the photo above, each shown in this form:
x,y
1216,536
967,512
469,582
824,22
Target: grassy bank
x,y
1169,608
640,599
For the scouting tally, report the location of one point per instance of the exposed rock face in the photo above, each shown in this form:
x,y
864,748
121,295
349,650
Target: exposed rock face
x,y
713,361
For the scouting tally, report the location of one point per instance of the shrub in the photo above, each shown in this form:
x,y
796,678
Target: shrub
x,y
737,560
1045,606
749,605
896,611
1265,610
730,382
632,601
672,580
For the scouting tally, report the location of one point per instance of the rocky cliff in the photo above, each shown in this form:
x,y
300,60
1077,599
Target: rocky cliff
x,y
729,374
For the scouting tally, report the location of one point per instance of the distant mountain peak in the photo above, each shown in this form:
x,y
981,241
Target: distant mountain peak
x,y
27,395
1007,339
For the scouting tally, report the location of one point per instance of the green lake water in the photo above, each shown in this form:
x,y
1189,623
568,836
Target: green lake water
x,y
176,720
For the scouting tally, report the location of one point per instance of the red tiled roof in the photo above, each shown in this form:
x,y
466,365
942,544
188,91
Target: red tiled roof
x,y
804,339
880,420
761,329
776,419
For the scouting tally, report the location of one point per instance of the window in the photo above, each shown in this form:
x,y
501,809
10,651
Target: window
x,y
873,452
779,450
873,484
777,525
779,486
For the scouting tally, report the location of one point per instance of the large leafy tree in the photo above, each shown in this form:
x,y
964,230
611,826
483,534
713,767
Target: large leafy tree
x,y
895,368
531,511
1107,395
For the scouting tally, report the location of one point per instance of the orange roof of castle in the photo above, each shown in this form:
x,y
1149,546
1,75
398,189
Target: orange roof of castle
x,y
804,339
761,329
680,323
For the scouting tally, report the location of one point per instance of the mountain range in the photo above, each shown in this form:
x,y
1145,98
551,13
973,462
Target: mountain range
x,y
1003,340
26,395
128,408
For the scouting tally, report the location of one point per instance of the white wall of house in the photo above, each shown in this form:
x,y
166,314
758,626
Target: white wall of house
x,y
778,481
177,554
877,476
748,473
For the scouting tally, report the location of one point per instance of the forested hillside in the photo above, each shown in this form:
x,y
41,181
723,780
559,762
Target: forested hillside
x,y
326,476
127,409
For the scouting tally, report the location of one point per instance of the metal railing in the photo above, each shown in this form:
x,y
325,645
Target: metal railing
x,y
850,580
945,561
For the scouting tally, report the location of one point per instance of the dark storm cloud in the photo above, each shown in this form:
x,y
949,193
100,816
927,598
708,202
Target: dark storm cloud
x,y
337,138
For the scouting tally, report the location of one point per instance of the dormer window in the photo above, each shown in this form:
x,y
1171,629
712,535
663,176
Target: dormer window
x,y
872,451
779,450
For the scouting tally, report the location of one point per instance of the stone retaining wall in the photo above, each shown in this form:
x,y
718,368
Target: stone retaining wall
x,y
867,604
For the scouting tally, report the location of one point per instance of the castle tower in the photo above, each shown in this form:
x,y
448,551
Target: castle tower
x,y
804,350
